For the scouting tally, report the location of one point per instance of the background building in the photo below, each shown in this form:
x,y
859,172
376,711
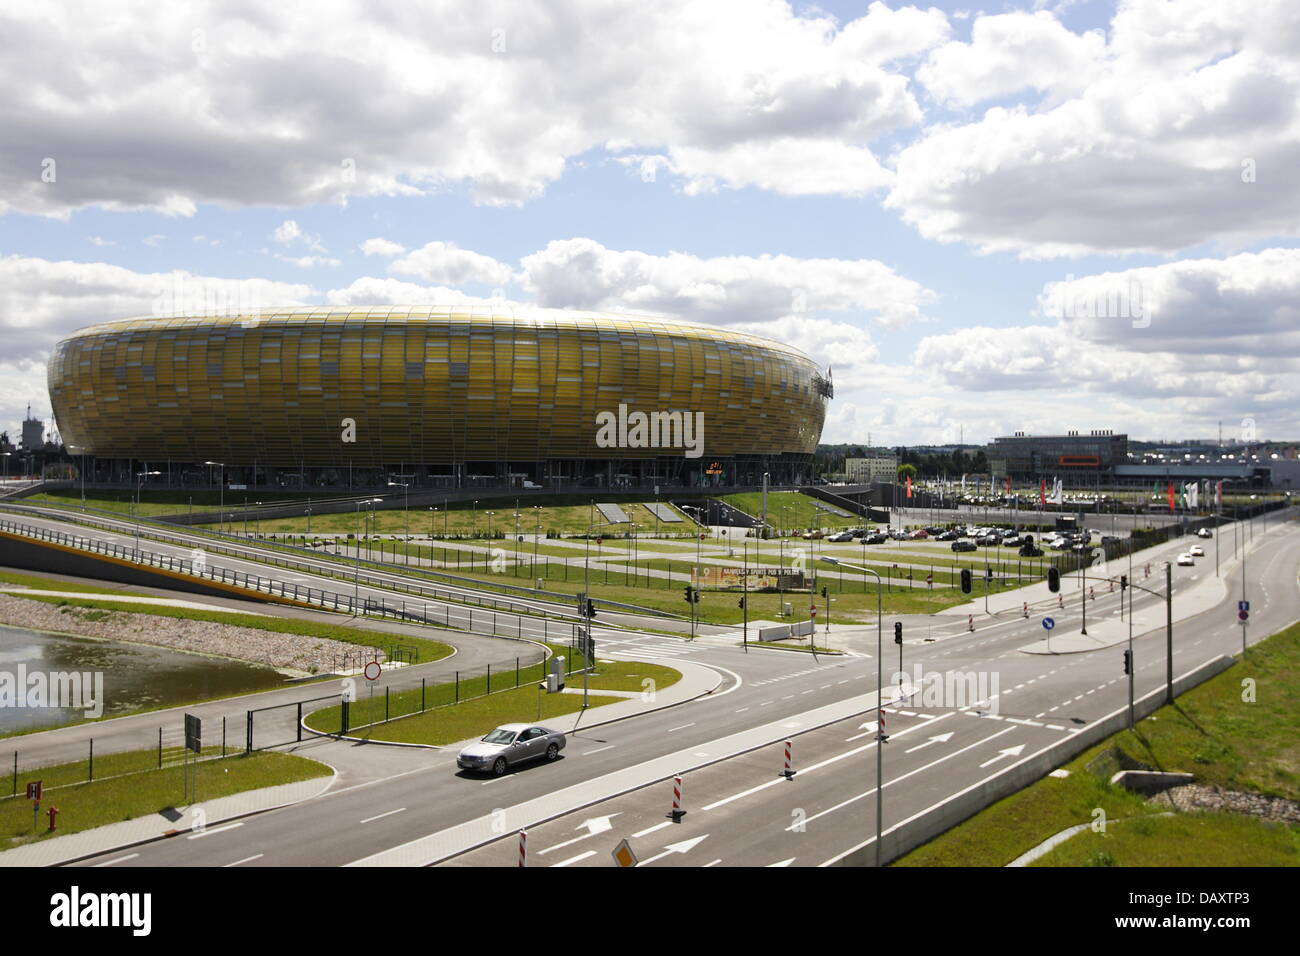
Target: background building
x,y
875,468
1030,457
450,397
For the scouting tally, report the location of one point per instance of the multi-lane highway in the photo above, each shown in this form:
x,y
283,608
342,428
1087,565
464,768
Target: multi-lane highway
x,y
612,782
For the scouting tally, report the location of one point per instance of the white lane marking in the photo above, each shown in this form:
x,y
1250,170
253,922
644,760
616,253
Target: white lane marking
x,y
588,753
247,859
574,859
230,826
380,816
742,710
657,826
682,727
817,766
714,863
900,779
783,862
120,859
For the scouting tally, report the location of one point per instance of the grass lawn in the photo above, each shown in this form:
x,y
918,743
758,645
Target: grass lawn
x,y
83,806
791,509
429,650
473,718
476,717
1200,839
561,514
1209,731
163,502
54,584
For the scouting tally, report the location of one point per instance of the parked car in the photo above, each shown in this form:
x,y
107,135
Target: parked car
x,y
947,536
964,545
511,744
812,535
1186,559
1029,551
841,536
877,537
990,540
920,534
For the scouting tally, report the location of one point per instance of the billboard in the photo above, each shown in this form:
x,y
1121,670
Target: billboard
x,y
719,578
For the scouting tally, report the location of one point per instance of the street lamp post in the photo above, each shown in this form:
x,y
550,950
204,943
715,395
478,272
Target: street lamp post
x,y
586,598
880,689
406,513
356,574
221,507
140,477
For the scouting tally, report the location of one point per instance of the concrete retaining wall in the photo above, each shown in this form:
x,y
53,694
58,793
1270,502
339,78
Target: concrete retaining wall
x,y
903,837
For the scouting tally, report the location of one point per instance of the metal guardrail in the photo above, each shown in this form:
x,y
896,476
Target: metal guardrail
x,y
329,569
315,597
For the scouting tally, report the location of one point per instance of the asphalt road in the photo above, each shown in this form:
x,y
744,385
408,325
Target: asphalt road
x,y
739,811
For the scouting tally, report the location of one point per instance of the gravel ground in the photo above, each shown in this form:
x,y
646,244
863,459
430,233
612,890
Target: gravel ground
x,y
1196,796
294,652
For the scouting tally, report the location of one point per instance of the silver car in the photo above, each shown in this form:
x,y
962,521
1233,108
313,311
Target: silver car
x,y
508,745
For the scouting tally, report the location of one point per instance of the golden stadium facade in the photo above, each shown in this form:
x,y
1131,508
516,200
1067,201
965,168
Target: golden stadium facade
x,y
442,394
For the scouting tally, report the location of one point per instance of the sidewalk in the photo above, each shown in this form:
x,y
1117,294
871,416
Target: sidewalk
x,y
697,681
1108,630
121,836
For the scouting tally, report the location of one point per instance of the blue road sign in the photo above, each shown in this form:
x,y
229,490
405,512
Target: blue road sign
x,y
1243,605
1048,624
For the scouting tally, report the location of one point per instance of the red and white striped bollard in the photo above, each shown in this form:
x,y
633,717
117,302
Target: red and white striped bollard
x,y
523,847
677,812
789,770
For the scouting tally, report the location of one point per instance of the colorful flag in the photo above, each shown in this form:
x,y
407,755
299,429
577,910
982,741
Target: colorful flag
x,y
1042,491
1170,492
909,486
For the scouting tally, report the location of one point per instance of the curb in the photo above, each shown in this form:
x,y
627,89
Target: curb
x,y
167,836
598,723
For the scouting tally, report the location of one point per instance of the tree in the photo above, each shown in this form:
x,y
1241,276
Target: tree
x,y
906,471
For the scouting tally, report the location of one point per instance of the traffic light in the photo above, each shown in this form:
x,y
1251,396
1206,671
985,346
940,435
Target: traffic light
x,y
1053,579
823,591
741,604
1128,662
965,581
687,592
898,632
1123,581
591,608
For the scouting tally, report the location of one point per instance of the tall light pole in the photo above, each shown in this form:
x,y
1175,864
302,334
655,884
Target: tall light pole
x,y
406,513
221,507
139,480
537,533
880,702
356,573
586,599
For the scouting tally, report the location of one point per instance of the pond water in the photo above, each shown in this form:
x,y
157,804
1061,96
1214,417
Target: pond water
x,y
134,676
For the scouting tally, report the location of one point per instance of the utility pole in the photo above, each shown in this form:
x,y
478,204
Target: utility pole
x,y
1169,632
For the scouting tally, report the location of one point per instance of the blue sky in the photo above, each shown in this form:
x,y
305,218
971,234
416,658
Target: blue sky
x,y
893,189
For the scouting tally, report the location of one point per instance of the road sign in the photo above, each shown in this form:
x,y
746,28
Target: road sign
x,y
193,733
1243,615
1243,605
623,855
34,790
1048,624
373,670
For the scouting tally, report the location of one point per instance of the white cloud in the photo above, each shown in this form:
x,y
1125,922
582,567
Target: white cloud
x,y
1188,132
41,301
371,290
1012,52
445,262
309,262
289,105
382,247
1223,341
581,273
286,232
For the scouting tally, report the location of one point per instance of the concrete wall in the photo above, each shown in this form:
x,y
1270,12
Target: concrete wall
x,y
905,836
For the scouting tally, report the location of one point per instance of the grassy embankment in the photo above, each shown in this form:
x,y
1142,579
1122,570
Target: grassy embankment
x,y
1210,732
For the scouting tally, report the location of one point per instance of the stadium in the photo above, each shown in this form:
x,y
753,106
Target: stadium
x,y
444,397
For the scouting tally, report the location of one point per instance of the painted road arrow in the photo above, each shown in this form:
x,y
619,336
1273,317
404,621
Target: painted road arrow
x,y
684,847
1009,752
941,739
593,826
